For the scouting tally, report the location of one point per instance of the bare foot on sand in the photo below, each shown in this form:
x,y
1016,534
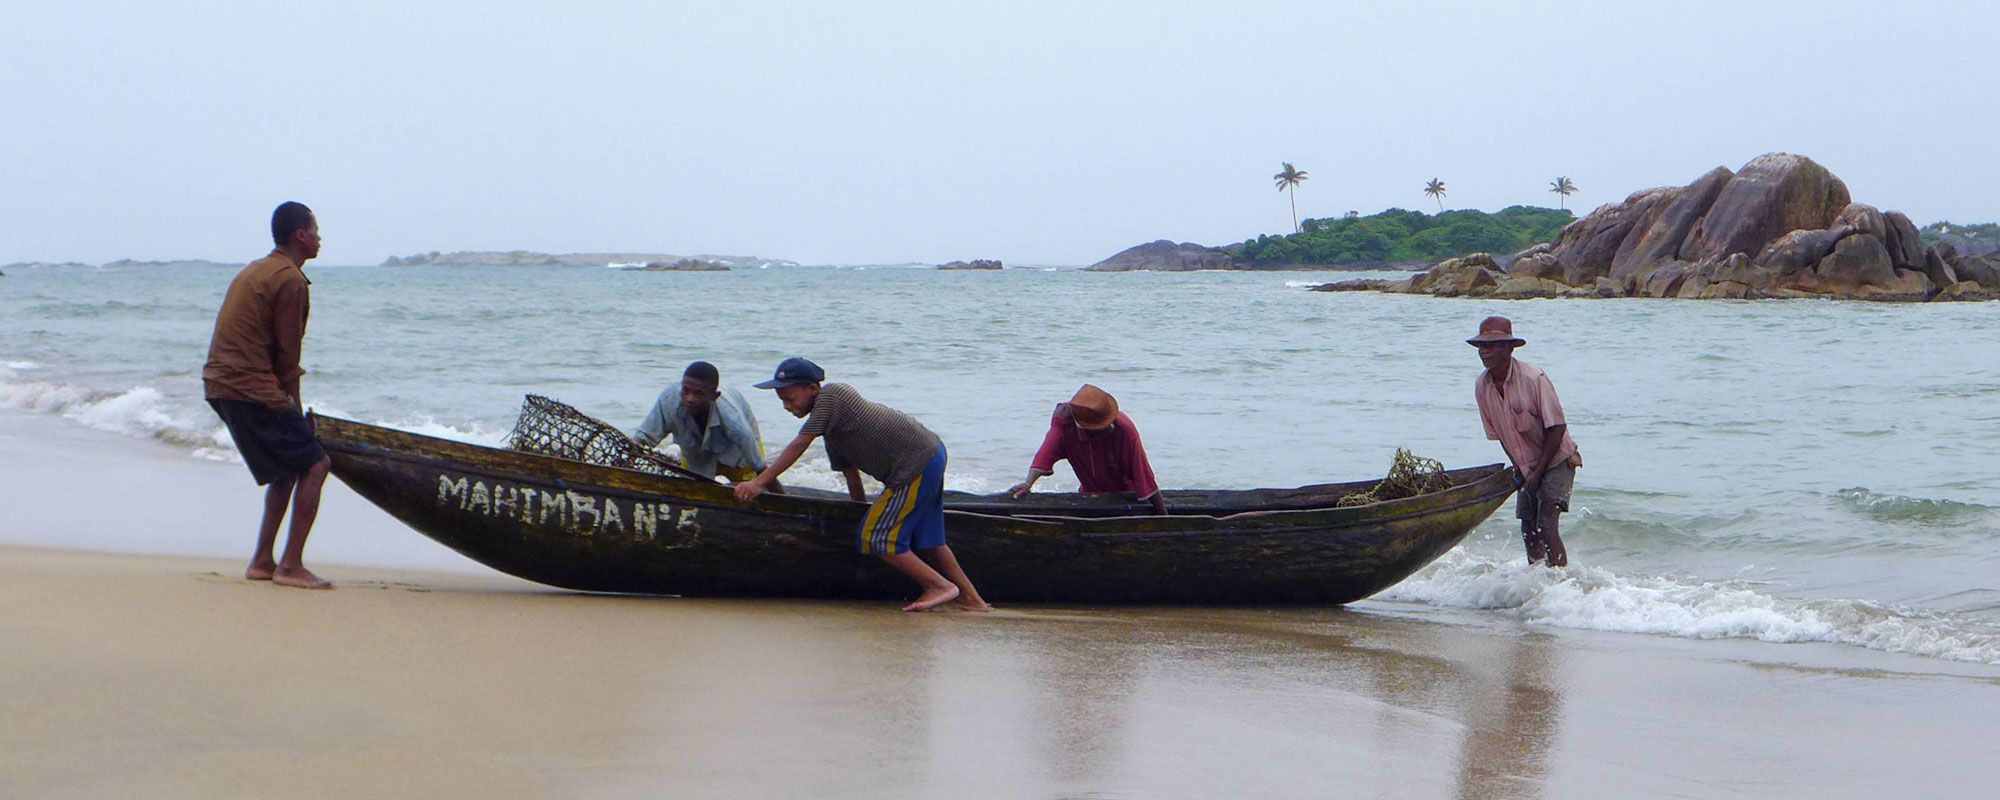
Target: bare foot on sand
x,y
299,577
932,598
961,604
260,570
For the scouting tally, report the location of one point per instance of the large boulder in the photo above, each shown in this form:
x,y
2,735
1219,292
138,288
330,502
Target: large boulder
x,y
1587,247
1666,279
1165,256
1938,271
1660,236
1983,270
1539,265
1865,218
1801,249
1740,269
1524,288
1859,260
1454,277
1906,246
1773,194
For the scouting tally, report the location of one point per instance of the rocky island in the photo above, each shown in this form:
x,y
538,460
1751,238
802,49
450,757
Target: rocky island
x,y
1781,227
678,265
977,263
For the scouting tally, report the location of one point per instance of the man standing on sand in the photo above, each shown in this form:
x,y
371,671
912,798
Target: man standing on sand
x,y
714,426
892,447
1519,407
1102,446
252,382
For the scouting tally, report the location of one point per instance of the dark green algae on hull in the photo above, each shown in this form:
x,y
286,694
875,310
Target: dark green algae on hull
x,y
595,528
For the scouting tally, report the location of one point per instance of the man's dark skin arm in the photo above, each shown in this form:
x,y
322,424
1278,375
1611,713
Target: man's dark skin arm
x,y
1552,442
854,485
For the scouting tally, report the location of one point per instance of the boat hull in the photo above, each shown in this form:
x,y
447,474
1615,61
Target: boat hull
x,y
587,527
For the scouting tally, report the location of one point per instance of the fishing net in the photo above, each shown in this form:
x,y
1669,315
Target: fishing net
x,y
552,428
1408,477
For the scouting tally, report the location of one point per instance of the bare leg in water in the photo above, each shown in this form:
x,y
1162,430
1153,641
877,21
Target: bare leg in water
x,y
1552,540
941,558
937,590
291,569
1538,551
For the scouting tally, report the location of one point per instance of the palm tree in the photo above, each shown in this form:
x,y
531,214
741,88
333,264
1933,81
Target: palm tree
x,y
1563,187
1436,190
1287,180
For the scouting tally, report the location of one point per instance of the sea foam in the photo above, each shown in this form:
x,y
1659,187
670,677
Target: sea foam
x,y
1593,598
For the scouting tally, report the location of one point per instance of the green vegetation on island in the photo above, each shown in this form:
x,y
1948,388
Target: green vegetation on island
x,y
1400,236
1973,239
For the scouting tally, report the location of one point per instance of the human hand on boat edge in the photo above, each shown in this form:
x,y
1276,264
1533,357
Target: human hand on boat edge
x,y
748,490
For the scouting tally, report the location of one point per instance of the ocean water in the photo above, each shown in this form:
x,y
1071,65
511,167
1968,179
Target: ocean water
x,y
1783,471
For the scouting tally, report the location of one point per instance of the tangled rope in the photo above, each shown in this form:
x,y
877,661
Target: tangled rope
x,y
552,428
1408,477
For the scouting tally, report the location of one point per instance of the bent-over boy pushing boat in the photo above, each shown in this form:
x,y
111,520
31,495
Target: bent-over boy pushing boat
x,y
905,525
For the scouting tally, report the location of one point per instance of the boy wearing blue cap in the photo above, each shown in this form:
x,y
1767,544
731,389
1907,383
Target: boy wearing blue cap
x,y
907,520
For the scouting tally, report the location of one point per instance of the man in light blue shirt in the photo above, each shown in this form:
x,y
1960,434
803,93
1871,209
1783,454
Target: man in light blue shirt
x,y
714,427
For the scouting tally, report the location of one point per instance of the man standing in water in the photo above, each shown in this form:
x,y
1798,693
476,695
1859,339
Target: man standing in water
x,y
1519,407
714,426
892,447
252,381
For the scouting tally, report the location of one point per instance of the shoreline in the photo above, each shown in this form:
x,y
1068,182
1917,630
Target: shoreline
x,y
169,677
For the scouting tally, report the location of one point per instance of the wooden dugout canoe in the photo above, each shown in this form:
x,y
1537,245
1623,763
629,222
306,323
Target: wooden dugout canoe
x,y
595,528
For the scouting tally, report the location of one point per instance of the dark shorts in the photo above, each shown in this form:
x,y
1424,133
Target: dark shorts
x,y
907,517
1551,499
275,445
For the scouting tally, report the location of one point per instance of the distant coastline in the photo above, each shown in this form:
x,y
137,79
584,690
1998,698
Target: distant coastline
x,y
530,258
123,263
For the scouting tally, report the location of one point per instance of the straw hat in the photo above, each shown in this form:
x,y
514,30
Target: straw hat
x,y
1093,409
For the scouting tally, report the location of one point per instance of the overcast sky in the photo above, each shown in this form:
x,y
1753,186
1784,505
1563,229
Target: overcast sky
x,y
844,132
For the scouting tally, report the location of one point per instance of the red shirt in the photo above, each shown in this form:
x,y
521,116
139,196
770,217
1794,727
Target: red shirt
x,y
1108,460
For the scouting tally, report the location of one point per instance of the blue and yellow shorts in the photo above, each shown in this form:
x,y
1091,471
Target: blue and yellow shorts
x,y
906,517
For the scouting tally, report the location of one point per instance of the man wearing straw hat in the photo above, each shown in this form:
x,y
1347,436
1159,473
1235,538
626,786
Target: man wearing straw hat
x,y
1519,407
1102,446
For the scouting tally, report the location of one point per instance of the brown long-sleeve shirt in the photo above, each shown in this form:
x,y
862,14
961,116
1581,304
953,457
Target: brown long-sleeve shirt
x,y
254,354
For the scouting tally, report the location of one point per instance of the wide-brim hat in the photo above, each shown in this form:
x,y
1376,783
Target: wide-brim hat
x,y
1093,409
1496,330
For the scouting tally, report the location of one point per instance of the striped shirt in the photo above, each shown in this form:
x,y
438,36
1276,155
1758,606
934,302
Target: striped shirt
x,y
888,445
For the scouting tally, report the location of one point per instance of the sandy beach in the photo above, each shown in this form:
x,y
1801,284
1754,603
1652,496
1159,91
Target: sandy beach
x,y
169,676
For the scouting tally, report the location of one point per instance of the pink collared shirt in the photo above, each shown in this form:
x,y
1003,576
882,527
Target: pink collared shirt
x,y
1520,418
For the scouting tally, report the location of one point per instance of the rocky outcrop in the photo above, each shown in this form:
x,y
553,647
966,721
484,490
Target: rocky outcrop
x,y
1774,194
1780,227
1165,256
1660,239
681,265
977,263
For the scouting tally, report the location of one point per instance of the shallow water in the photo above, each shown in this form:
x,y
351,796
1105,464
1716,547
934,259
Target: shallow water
x,y
1786,471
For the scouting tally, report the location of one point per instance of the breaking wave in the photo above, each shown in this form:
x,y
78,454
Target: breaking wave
x,y
144,412
1592,598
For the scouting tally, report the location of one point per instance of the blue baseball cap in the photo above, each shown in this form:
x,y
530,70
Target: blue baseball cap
x,y
792,372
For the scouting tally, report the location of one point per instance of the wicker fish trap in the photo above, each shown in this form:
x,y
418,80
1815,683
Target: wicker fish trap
x,y
1409,476
552,428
